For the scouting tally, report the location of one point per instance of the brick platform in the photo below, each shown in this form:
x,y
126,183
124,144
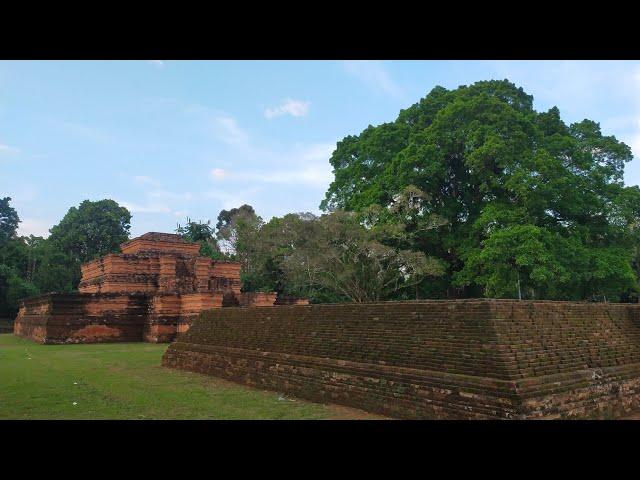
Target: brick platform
x,y
463,359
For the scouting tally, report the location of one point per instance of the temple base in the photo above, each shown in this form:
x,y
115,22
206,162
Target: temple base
x,y
60,318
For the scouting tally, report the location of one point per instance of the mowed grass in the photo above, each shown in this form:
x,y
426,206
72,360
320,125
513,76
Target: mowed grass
x,y
126,381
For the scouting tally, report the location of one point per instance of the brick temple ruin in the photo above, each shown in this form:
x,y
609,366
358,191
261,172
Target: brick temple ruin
x,y
427,359
149,292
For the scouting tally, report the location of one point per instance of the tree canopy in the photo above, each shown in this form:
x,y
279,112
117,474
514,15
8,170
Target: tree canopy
x,y
203,233
8,220
32,265
92,229
529,203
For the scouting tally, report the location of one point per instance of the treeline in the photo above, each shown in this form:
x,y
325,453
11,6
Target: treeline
x,y
332,258
468,193
33,265
335,257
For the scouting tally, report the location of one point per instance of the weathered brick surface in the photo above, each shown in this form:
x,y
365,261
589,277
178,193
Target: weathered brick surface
x,y
82,318
257,299
430,359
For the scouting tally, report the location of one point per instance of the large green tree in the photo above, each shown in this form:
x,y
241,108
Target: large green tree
x,y
13,262
203,233
32,265
347,260
530,206
8,220
337,257
238,233
89,231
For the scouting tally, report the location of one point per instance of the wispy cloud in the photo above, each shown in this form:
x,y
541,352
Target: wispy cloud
x,y
173,196
307,165
295,108
218,173
87,132
374,74
235,197
157,199
246,169
227,130
8,150
149,208
145,180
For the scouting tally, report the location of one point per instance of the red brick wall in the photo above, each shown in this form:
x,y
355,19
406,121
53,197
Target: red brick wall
x,y
82,318
110,317
257,299
430,359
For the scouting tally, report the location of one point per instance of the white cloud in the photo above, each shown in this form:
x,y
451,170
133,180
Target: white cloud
x,y
234,198
275,179
149,208
157,200
145,180
307,165
227,130
312,167
34,226
295,108
374,74
218,173
270,178
157,63
155,191
6,149
312,175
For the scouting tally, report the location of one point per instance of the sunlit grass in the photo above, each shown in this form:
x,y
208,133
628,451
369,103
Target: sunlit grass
x,y
125,381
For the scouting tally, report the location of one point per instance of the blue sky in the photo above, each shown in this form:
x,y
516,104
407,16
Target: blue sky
x,y
171,139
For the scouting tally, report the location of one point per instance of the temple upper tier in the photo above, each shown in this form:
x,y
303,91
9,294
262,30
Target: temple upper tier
x,y
161,263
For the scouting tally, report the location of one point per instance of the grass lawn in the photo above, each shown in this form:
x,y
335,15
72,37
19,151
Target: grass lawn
x,y
126,381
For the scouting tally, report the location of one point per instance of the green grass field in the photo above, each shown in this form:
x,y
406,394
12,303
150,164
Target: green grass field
x,y
126,381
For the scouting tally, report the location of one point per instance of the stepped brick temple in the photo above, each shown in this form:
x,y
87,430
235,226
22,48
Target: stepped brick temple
x,y
437,359
149,292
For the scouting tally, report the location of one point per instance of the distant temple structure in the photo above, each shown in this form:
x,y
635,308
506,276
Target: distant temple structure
x,y
149,292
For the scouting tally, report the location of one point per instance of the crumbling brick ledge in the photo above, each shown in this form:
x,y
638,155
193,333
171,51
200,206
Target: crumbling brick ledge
x,y
447,359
